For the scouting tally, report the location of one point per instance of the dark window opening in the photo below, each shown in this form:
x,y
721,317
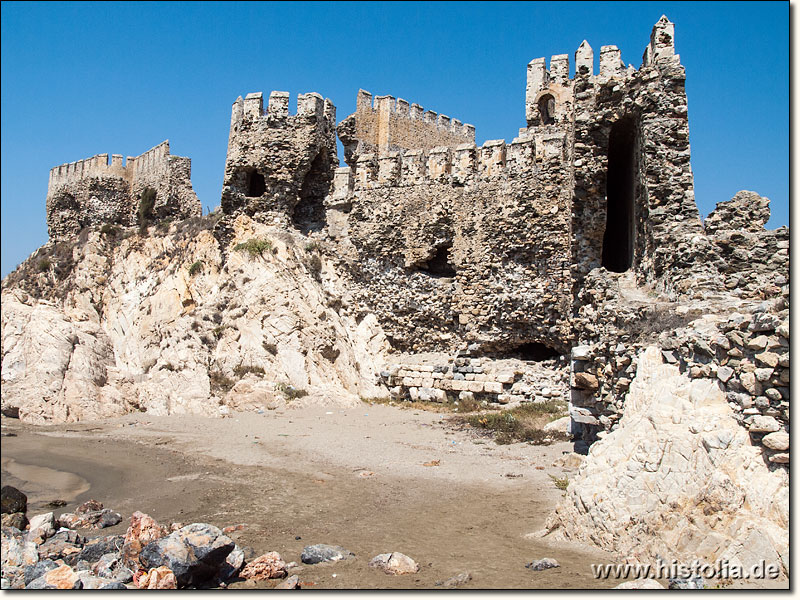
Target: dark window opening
x,y
528,351
620,181
439,264
256,186
547,109
309,212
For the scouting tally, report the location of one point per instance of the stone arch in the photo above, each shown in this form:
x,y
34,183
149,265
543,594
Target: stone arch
x,y
309,212
620,232
547,109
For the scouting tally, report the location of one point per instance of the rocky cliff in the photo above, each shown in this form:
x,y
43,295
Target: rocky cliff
x,y
116,322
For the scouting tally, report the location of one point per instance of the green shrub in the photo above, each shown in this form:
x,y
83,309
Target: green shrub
x,y
290,392
218,331
243,370
110,230
521,424
312,247
561,483
43,265
254,246
147,202
195,268
220,383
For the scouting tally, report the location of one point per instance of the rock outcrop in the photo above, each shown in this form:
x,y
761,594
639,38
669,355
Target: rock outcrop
x,y
679,478
162,324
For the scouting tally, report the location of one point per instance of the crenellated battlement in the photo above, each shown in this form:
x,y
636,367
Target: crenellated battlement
x,y
464,165
107,192
548,94
310,107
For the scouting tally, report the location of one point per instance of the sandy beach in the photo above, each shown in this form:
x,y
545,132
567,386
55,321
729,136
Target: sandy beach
x,y
372,478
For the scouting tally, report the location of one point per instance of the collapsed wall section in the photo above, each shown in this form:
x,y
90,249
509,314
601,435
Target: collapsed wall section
x,y
279,166
94,191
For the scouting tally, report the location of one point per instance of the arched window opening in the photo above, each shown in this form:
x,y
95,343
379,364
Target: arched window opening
x,y
547,109
618,240
439,265
256,186
309,212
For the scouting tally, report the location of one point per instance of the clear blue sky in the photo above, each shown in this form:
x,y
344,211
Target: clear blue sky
x,y
85,78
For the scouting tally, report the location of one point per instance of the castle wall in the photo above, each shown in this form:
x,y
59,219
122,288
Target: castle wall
x,y
294,155
389,124
94,192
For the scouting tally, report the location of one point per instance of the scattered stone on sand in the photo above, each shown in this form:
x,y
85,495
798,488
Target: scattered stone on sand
x,y
266,566
89,506
194,553
56,503
318,553
95,549
542,564
640,584
290,583
395,563
455,580
158,578
12,500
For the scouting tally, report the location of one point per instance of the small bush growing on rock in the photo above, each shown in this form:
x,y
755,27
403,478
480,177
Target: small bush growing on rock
x,y
147,202
195,268
561,483
243,370
220,383
254,247
271,348
110,230
218,331
312,247
43,265
314,263
290,391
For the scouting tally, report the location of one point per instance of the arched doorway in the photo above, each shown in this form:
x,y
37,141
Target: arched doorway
x,y
309,212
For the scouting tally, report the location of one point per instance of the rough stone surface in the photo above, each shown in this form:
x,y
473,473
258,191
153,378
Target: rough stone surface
x,y
678,477
158,578
542,564
142,531
92,192
394,563
194,553
60,578
318,553
12,500
266,566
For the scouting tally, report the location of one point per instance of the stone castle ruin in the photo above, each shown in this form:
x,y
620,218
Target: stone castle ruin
x,y
93,192
534,249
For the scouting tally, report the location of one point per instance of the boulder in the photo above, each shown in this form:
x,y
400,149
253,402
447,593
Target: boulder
x,y
32,572
290,583
158,578
542,564
96,548
12,500
318,553
266,566
394,563
455,580
194,553
17,550
142,530
777,440
64,544
17,520
585,381
60,578
42,527
762,424
233,564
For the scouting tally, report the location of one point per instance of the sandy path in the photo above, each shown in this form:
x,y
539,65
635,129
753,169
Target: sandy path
x,y
353,477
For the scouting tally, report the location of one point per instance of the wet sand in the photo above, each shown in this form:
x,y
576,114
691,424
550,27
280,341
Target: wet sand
x,y
352,477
